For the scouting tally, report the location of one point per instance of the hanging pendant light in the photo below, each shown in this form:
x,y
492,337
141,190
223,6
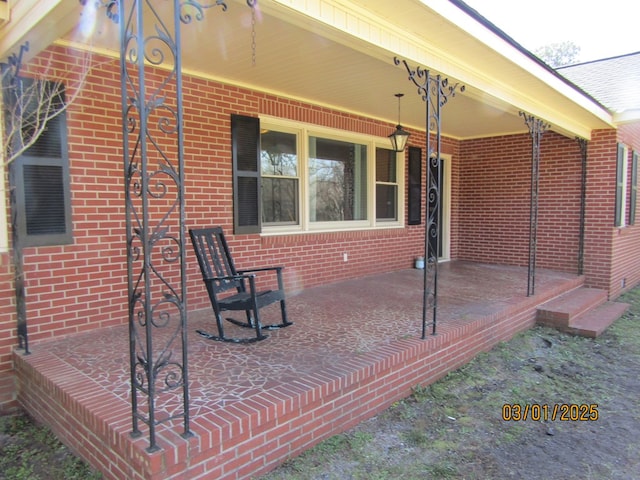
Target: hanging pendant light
x,y
399,136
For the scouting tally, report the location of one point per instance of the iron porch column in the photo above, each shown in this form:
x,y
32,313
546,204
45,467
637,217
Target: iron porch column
x,y
435,92
583,143
536,128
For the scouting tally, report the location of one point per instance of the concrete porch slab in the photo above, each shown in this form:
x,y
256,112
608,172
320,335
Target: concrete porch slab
x,y
354,349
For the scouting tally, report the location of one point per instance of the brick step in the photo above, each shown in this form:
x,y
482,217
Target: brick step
x,y
593,323
583,311
561,311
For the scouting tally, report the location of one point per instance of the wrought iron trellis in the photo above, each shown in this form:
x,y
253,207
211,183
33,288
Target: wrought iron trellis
x,y
10,89
152,116
537,128
583,143
435,92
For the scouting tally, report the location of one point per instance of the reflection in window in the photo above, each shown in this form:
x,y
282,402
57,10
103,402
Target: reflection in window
x,y
386,185
337,180
279,169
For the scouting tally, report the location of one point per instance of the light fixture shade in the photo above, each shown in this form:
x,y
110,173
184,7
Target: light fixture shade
x,y
399,139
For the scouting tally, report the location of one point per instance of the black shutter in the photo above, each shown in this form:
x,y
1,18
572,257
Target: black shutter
x,y
44,199
41,174
415,186
245,137
634,189
619,215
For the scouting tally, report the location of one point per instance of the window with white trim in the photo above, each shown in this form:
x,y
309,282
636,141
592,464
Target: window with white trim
x,y
336,180
317,178
633,200
280,177
387,186
320,179
621,185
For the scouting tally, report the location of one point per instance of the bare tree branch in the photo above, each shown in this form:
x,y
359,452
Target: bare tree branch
x,y
30,104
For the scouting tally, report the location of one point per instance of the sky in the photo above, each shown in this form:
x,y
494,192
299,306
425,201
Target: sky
x,y
601,29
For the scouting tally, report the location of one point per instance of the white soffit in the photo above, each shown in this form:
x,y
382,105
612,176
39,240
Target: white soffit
x,y
436,34
354,65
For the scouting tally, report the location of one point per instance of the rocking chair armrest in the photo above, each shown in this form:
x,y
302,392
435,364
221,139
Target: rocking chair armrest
x,y
229,278
263,269
277,270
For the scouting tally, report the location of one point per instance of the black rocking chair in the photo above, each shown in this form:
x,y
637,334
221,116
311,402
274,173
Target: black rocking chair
x,y
220,275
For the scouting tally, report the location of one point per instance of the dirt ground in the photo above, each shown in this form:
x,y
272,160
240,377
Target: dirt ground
x,y
459,427
454,429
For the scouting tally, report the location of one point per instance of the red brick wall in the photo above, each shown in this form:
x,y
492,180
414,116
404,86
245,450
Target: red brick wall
x,y
456,196
71,288
8,332
625,268
611,253
600,207
494,207
82,286
311,259
77,287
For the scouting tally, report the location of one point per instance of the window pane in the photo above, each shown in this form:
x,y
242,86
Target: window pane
x,y
386,204
385,165
279,200
278,155
337,180
34,97
279,168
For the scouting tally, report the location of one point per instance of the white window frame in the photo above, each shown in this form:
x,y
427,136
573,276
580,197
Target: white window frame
x,y
445,201
303,133
396,183
294,131
622,214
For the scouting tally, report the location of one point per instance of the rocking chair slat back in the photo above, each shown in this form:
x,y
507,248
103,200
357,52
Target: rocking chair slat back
x,y
220,275
215,259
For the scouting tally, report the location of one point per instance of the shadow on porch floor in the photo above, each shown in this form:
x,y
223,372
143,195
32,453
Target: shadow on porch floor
x,y
353,350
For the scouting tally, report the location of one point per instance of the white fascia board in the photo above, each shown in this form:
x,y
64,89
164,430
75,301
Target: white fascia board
x,y
489,38
627,116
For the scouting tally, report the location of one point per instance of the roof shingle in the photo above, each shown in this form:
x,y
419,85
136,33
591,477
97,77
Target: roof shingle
x,y
614,82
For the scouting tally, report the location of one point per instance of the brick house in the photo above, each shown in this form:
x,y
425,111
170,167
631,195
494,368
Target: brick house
x,y
320,76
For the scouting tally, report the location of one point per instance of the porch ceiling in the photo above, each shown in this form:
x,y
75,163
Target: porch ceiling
x,y
339,54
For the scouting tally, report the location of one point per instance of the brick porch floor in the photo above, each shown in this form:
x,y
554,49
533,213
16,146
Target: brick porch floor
x,y
354,349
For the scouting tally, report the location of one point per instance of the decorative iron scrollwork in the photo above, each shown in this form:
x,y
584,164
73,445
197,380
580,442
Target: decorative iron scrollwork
x,y
11,93
190,10
537,127
435,91
11,69
187,6
112,8
154,201
154,171
583,144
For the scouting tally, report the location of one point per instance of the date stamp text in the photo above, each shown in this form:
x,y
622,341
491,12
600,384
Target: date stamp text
x,y
565,412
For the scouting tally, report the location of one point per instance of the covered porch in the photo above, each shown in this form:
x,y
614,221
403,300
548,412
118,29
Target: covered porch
x,y
353,350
